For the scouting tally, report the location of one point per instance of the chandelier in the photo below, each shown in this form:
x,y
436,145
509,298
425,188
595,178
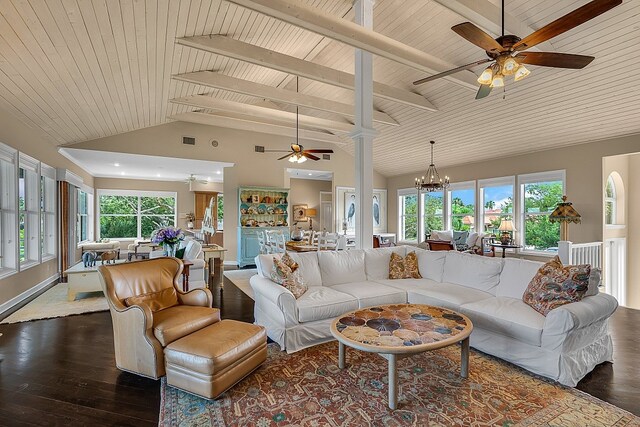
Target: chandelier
x,y
431,181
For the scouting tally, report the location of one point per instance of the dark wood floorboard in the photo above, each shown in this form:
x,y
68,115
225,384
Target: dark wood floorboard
x,y
61,372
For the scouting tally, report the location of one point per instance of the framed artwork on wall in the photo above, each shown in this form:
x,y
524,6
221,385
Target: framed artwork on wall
x,y
346,209
300,213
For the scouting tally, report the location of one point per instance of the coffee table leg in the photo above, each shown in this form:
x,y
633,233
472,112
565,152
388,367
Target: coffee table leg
x,y
464,365
393,381
341,355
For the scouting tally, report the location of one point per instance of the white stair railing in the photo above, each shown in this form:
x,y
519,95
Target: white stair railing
x,y
580,253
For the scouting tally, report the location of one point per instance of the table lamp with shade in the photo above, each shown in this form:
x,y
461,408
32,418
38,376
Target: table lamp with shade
x,y
564,213
506,226
311,213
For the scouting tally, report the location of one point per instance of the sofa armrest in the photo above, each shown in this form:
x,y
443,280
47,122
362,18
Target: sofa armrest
x,y
278,295
198,263
198,297
580,314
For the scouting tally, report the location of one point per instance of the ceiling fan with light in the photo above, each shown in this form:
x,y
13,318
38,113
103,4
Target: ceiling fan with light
x,y
298,154
507,51
192,179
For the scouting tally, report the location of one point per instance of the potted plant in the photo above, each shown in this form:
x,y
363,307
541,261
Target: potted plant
x,y
169,238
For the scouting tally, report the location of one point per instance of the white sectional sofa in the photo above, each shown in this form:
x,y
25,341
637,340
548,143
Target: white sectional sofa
x,y
565,345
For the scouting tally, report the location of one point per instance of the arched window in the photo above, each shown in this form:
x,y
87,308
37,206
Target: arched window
x,y
610,202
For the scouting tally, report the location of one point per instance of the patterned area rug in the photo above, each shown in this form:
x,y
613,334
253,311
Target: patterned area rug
x,y
308,389
53,303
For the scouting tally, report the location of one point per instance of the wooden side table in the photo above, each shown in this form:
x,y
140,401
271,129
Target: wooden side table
x,y
185,275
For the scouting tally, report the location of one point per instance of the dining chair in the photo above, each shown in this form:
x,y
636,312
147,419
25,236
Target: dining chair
x,y
264,246
276,240
328,241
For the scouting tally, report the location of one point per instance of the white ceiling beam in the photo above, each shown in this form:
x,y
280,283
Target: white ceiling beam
x,y
347,32
226,46
208,102
488,16
245,87
251,124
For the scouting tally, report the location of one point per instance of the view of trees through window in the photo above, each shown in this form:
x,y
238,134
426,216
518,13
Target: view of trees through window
x,y
220,211
497,203
540,199
123,216
409,217
433,211
463,209
610,202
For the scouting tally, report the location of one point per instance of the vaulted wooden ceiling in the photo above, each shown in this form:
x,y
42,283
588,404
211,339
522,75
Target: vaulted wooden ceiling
x,y
84,69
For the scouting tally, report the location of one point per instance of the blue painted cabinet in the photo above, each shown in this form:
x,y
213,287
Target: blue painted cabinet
x,y
260,209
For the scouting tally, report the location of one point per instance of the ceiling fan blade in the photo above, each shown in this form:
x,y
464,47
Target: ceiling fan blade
x,y
478,37
318,151
452,71
552,59
567,22
483,91
284,157
310,156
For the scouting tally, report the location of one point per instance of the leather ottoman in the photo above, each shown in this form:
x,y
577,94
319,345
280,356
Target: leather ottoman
x,y
213,359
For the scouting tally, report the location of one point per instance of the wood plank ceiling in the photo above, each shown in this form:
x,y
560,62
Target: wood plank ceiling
x,y
85,69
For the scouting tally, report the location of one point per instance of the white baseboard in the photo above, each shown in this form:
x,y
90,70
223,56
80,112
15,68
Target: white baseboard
x,y
27,294
232,262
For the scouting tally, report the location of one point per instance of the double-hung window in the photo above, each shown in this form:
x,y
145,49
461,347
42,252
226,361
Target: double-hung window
x,y
134,214
28,211
539,195
220,206
8,212
610,202
496,197
462,206
408,215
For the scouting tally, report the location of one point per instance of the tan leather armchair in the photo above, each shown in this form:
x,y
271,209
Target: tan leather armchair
x,y
149,311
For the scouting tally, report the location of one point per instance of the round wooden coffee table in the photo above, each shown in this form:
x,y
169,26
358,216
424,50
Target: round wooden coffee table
x,y
402,330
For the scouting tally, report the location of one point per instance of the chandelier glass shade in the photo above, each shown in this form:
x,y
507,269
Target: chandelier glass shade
x,y
505,65
431,180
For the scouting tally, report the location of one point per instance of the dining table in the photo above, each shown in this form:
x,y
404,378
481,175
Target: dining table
x,y
301,246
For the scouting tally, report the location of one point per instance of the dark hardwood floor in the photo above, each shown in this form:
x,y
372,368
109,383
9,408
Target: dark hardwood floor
x,y
61,372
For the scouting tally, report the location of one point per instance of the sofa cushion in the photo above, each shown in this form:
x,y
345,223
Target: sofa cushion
x,y
283,275
176,322
264,264
308,267
448,295
376,261
431,264
341,267
595,279
444,235
516,275
473,271
321,302
405,284
372,293
555,284
507,316
404,268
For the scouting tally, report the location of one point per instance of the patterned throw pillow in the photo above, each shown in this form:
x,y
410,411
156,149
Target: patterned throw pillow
x,y
286,258
292,280
404,268
555,285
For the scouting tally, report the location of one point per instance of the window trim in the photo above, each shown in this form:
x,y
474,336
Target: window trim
x,y
139,194
29,164
48,172
10,155
531,178
403,192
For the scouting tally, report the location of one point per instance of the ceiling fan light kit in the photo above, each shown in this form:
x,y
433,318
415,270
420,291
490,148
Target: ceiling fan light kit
x,y
431,181
506,51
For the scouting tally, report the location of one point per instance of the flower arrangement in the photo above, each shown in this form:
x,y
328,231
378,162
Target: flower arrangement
x,y
169,238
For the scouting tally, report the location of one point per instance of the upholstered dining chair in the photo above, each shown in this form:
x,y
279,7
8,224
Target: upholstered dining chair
x,y
148,311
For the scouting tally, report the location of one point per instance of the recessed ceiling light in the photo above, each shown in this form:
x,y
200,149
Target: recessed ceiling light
x,y
122,173
116,164
218,172
310,174
158,175
208,179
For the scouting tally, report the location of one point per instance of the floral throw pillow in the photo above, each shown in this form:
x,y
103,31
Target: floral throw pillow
x,y
404,268
286,258
292,280
555,285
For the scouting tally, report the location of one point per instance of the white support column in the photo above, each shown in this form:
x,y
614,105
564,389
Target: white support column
x,y
364,133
